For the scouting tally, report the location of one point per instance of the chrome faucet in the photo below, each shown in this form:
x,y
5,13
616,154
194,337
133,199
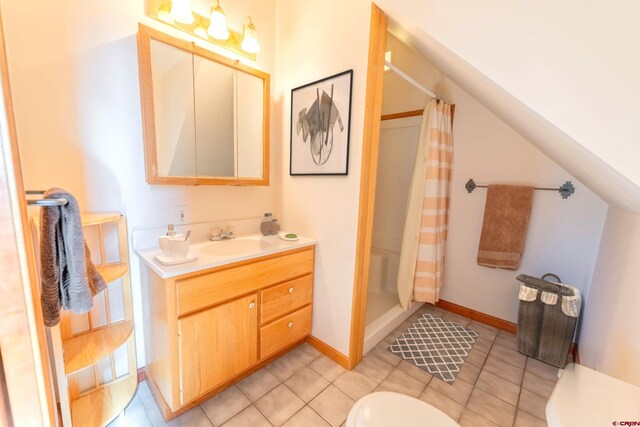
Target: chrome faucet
x,y
222,233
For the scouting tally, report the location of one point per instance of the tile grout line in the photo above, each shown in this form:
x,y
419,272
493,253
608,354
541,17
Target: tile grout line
x,y
520,387
295,394
537,376
306,404
520,393
205,414
283,383
251,403
145,408
523,410
466,406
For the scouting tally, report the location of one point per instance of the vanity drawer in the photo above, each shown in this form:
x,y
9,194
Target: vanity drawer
x,y
281,299
199,292
277,335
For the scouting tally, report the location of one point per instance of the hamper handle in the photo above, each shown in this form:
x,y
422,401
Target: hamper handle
x,y
554,275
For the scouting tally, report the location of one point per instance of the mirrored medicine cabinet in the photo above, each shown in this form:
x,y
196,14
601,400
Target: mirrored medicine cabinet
x,y
205,116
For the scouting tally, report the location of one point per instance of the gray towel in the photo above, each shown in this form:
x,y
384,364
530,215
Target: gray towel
x,y
69,278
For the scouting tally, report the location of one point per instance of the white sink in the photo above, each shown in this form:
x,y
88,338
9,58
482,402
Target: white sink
x,y
238,246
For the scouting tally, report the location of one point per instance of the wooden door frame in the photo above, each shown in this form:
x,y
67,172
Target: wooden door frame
x,y
27,375
368,175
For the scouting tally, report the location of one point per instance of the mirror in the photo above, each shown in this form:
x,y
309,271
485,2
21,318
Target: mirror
x,y
205,117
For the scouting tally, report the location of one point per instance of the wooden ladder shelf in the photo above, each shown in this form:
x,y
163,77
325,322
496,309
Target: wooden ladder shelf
x,y
94,353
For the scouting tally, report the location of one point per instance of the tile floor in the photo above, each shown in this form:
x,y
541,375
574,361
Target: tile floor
x,y
497,386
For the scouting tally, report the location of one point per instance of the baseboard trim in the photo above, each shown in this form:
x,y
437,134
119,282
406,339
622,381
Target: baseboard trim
x,y
329,351
142,374
472,314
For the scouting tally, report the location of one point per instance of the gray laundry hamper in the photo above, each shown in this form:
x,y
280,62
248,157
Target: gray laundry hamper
x,y
547,318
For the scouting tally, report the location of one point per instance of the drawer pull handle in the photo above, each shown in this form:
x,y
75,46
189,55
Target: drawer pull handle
x,y
290,290
252,305
290,324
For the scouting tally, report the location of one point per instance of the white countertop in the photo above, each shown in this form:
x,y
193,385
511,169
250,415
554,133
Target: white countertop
x,y
214,254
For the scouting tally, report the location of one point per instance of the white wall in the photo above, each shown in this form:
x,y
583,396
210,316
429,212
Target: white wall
x,y
569,62
316,39
563,235
74,73
610,336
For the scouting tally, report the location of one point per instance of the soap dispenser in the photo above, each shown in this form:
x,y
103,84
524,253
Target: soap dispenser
x,y
266,224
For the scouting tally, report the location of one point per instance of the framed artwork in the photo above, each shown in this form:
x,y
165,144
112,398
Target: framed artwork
x,y
320,124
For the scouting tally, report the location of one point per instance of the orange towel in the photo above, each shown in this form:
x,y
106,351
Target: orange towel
x,y
504,230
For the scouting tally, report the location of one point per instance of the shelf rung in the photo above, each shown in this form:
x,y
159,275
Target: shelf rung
x,y
111,272
99,218
101,406
87,349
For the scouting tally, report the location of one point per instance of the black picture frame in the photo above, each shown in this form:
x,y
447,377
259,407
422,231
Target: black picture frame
x,y
312,138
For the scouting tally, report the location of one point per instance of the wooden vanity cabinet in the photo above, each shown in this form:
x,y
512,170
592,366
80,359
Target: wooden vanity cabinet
x,y
205,329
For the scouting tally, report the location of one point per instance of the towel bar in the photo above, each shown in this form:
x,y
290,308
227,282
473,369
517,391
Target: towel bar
x,y
566,190
43,202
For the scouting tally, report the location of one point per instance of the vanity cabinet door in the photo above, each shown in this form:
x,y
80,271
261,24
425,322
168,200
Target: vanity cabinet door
x,y
216,344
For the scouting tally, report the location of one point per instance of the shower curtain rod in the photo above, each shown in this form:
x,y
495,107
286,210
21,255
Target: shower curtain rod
x,y
408,78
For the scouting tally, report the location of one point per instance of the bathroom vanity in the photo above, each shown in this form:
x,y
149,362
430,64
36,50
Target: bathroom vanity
x,y
213,321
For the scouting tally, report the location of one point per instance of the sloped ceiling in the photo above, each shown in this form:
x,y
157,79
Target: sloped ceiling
x,y
552,91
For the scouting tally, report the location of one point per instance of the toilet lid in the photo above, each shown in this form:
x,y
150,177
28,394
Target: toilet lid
x,y
387,409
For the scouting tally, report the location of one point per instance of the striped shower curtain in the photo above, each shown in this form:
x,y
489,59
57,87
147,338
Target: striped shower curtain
x,y
425,229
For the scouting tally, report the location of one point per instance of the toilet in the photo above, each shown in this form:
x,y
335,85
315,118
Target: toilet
x,y
387,409
584,397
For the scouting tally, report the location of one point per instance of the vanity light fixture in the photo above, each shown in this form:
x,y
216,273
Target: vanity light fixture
x,y
218,26
164,16
181,11
250,38
201,28
209,24
164,12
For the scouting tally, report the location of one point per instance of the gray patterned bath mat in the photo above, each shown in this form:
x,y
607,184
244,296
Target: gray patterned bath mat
x,y
436,346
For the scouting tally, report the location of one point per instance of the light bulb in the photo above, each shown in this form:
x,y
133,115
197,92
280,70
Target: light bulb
x,y
200,32
218,26
250,40
163,15
181,11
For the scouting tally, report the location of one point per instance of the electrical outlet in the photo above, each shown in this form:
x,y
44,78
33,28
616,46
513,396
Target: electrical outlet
x,y
183,214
